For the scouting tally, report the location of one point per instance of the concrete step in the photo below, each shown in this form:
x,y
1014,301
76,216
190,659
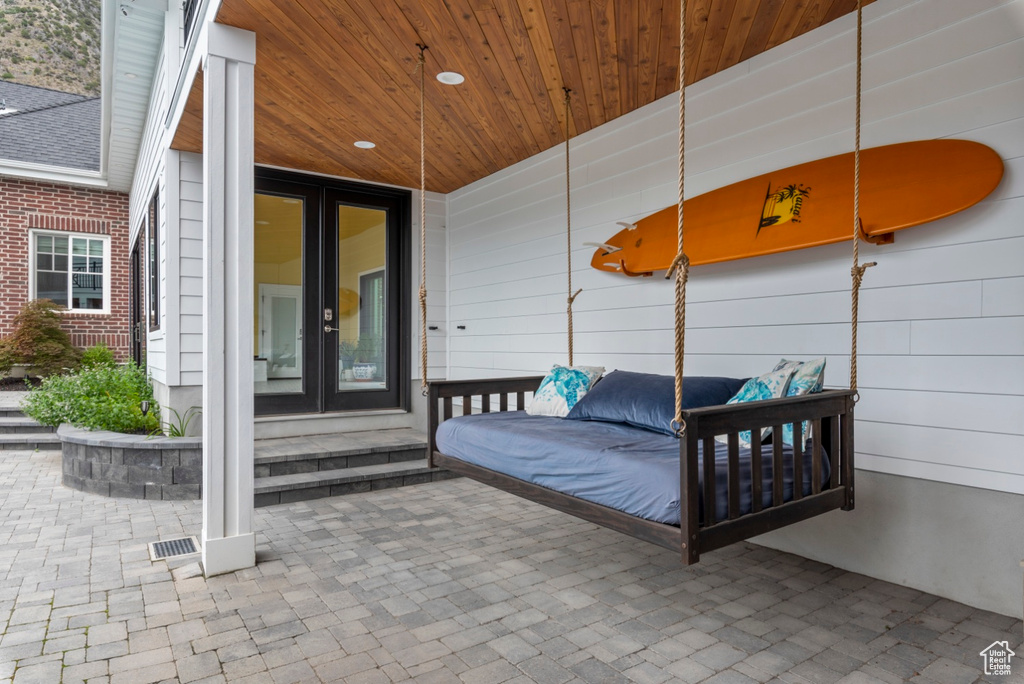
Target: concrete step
x,y
290,469
14,425
42,441
11,412
283,489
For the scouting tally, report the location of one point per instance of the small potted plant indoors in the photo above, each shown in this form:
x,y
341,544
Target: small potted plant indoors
x,y
364,366
346,357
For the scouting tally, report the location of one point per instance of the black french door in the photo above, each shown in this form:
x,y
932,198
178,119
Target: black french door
x,y
330,295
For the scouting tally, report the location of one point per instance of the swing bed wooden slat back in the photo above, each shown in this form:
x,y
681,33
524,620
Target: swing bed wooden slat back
x,y
830,414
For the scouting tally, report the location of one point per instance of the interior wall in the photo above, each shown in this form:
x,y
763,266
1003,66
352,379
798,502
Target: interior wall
x,y
941,367
358,255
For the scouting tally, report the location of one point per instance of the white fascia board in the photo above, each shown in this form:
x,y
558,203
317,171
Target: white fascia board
x,y
53,174
190,64
107,20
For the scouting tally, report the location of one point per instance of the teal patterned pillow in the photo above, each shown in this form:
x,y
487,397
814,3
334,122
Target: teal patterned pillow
x,y
809,378
561,389
768,386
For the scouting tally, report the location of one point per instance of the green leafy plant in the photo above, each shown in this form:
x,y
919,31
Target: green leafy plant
x,y
178,426
97,398
367,350
347,353
38,341
98,355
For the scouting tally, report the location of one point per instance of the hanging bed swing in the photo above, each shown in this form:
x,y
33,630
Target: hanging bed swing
x,y
704,480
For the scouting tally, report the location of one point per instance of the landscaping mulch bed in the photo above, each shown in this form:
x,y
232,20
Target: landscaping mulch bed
x,y
18,384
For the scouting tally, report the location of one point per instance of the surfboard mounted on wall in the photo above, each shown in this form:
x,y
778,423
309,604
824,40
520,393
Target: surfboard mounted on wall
x,y
811,204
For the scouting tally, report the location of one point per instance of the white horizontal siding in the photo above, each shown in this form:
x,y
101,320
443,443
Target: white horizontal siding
x,y
189,281
941,368
437,285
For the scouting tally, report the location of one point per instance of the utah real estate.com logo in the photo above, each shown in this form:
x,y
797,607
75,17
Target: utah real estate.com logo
x,y
997,658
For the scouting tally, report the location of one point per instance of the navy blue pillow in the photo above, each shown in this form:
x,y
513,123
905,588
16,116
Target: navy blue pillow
x,y
648,401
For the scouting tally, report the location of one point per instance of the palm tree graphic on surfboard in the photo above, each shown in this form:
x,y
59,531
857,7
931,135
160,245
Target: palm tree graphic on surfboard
x,y
783,205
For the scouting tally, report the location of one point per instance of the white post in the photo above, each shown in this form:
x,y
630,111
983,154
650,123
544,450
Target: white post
x,y
228,100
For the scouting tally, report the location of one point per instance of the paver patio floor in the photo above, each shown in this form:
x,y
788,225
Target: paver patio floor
x,y
443,582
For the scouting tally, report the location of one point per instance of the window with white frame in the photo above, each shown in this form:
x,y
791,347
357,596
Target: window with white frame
x,y
71,270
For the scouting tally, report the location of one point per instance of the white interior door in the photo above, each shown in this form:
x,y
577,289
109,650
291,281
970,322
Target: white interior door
x,y
281,329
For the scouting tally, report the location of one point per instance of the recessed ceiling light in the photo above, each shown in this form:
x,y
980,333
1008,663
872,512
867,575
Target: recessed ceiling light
x,y
263,223
128,74
364,144
450,77
290,201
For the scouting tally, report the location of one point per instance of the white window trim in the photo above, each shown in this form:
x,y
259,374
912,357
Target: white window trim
x,y
34,232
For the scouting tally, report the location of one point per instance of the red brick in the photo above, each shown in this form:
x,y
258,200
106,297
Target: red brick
x,y
31,204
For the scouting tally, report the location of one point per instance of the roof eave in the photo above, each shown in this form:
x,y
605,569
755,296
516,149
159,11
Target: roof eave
x,y
53,174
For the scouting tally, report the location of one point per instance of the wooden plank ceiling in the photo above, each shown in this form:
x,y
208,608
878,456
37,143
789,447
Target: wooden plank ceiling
x,y
331,72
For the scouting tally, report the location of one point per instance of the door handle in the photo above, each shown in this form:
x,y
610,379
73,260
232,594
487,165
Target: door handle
x,y
328,328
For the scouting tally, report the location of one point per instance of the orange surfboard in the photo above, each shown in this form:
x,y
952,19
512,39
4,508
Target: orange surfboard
x,y
811,204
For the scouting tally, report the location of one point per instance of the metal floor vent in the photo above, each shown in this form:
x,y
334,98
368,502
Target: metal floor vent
x,y
186,546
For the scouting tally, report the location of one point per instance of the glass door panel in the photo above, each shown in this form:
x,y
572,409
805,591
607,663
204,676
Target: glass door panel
x,y
284,369
363,280
278,310
362,324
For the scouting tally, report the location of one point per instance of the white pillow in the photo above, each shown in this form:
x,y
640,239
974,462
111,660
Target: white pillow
x,y
562,388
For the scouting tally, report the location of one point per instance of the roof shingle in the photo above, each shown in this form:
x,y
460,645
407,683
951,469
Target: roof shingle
x,y
44,126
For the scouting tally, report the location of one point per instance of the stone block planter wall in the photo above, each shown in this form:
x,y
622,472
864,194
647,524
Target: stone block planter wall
x,y
131,466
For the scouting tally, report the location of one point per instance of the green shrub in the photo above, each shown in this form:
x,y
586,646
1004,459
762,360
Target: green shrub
x,y
98,355
98,398
38,342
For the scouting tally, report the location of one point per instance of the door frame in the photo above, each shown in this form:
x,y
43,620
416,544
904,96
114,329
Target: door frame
x,y
397,288
320,194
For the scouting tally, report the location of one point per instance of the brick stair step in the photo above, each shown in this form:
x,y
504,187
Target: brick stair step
x,y
324,483
11,425
43,441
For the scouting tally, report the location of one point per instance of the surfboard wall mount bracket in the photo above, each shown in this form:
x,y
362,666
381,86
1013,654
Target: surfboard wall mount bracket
x,y
880,239
638,274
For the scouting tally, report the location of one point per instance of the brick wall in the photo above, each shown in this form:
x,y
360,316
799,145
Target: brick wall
x,y
31,204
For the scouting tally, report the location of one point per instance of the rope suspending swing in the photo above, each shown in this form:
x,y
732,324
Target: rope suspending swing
x,y
421,67
571,296
857,270
680,267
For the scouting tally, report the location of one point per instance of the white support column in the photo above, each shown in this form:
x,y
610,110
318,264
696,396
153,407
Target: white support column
x,y
228,99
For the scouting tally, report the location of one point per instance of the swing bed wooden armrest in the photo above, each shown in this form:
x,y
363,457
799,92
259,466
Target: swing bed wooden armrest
x,y
830,414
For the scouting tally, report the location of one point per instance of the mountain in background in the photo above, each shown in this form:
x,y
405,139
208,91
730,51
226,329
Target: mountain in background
x,y
51,43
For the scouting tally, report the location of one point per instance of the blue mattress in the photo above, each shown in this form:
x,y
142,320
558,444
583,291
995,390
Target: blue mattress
x,y
630,469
